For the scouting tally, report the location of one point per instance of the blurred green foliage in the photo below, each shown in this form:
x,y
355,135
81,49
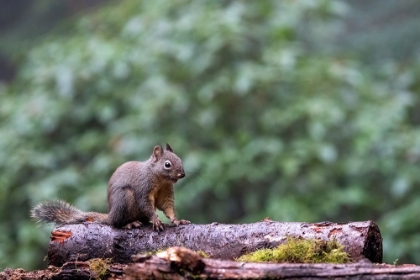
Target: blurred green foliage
x,y
265,125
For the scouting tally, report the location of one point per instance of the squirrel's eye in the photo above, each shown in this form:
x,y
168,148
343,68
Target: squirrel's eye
x,y
168,164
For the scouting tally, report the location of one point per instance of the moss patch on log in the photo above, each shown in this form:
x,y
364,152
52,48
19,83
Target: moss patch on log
x,y
296,250
99,267
202,254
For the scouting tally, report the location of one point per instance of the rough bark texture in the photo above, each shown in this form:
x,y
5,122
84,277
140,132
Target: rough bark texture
x,y
81,242
70,270
182,263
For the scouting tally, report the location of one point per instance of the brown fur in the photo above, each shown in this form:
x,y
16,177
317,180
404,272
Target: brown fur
x,y
135,190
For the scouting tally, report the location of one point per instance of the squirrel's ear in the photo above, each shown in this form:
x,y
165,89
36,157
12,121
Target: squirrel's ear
x,y
168,148
157,152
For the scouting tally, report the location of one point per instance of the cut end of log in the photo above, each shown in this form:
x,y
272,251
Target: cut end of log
x,y
373,246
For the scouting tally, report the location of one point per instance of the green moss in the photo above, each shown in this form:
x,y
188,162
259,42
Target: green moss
x,y
202,254
301,251
99,267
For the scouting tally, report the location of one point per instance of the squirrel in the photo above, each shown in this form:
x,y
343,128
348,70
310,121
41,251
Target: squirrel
x,y
135,190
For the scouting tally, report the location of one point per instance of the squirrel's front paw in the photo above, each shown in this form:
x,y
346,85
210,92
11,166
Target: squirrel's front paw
x,y
181,222
157,224
135,224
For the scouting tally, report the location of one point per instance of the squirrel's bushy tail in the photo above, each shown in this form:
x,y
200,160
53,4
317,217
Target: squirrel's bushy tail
x,y
60,212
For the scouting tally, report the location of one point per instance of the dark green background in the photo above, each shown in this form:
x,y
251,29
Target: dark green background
x,y
293,110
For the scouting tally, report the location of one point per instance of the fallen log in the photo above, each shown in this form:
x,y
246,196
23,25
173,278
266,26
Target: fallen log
x,y
158,268
70,270
181,266
81,242
181,263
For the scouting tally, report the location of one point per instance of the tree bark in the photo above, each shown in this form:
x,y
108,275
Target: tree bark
x,y
181,263
153,267
81,242
70,270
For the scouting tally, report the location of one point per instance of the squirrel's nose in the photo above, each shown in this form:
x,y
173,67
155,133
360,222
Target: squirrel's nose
x,y
180,175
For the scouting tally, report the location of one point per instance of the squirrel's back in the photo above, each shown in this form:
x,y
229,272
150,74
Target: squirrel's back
x,y
130,173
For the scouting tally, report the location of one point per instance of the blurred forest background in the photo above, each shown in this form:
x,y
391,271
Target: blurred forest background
x,y
304,110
